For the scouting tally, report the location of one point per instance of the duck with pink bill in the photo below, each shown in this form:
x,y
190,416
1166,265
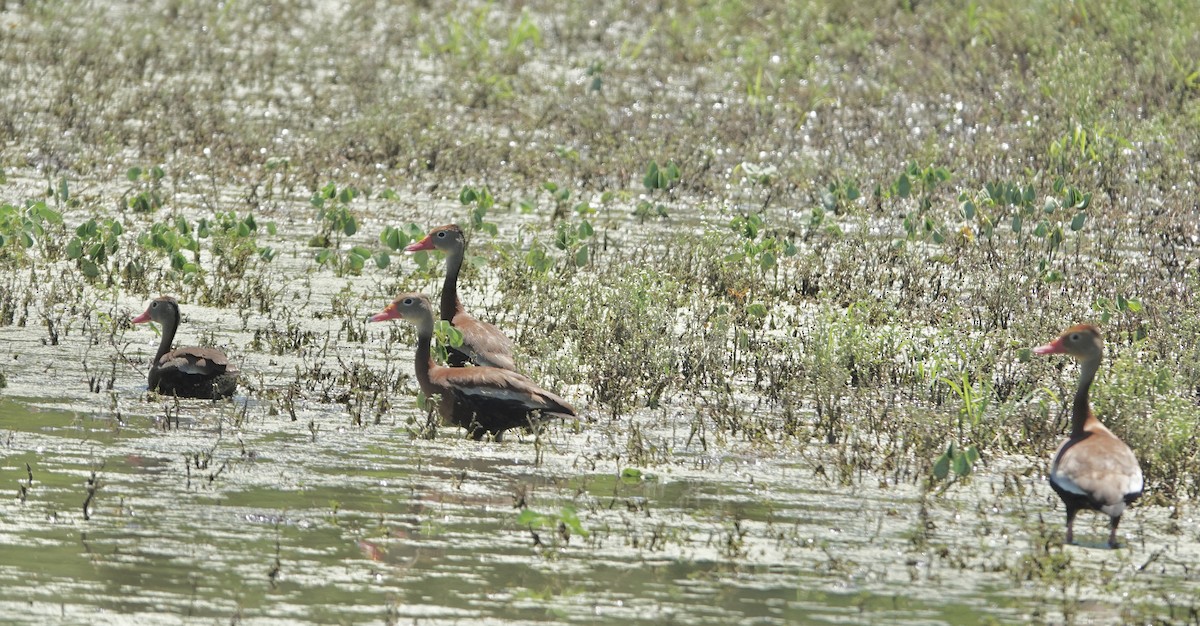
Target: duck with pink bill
x,y
191,372
483,343
484,400
1092,469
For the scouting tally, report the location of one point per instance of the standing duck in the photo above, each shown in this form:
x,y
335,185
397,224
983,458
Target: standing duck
x,y
484,400
187,372
483,343
1092,469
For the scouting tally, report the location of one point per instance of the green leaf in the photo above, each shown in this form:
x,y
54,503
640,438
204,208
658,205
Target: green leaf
x,y
672,172
351,226
529,517
89,268
74,249
631,475
962,466
382,260
941,467
133,174
1016,223
362,251
1077,223
391,238
903,186
652,179
968,210
1133,306
757,309
581,256
569,519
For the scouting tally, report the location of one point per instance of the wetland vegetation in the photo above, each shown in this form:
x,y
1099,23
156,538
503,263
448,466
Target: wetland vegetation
x,y
787,260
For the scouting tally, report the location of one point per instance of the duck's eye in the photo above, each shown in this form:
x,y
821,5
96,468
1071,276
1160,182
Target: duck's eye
x,y
154,305
1074,337
442,235
407,302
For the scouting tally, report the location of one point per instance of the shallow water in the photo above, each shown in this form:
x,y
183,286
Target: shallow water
x,y
265,525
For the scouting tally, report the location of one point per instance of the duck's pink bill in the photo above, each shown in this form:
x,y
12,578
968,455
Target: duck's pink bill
x,y
424,244
389,313
1054,347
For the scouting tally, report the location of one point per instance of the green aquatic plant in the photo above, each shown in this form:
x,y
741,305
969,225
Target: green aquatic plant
x,y
24,227
338,220
94,247
234,241
334,215
176,241
760,246
840,196
575,239
145,193
658,181
394,240
563,522
479,202
921,183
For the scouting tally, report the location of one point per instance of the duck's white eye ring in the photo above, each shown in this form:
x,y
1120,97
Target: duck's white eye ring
x,y
1074,336
442,234
408,302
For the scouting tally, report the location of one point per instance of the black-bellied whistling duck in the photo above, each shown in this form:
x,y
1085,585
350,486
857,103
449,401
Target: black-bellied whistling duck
x,y
1092,469
186,372
483,343
481,399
